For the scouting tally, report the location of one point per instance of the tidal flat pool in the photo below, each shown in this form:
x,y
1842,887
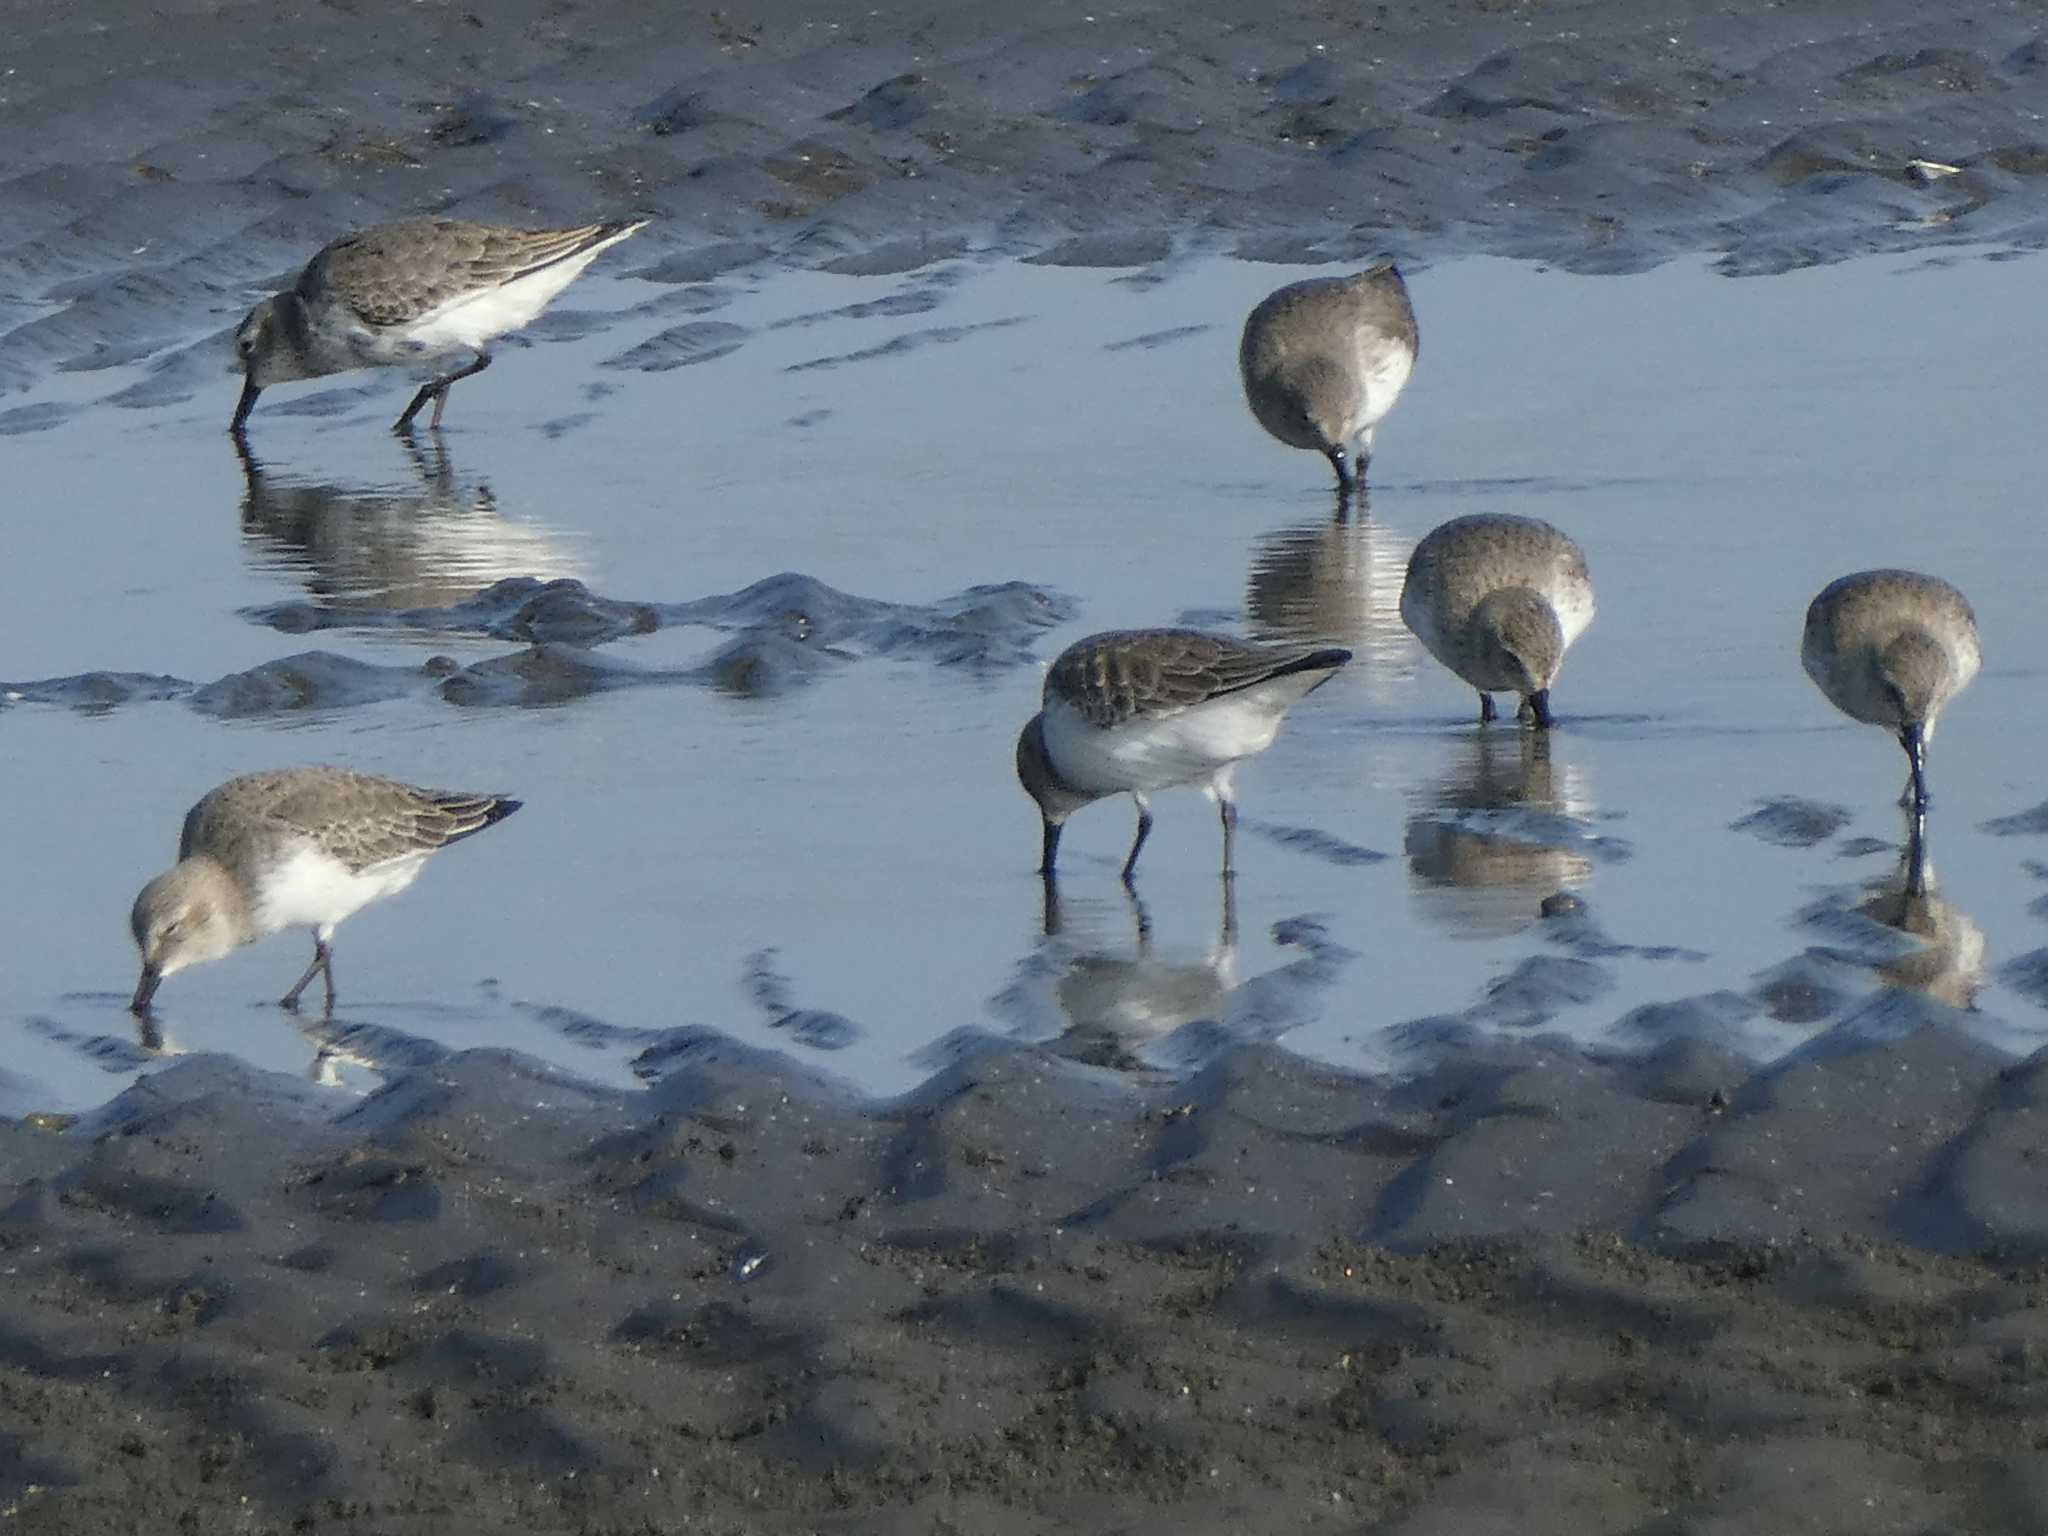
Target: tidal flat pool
x,y
786,812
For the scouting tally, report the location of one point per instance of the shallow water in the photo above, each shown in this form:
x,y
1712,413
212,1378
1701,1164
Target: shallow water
x,y
793,820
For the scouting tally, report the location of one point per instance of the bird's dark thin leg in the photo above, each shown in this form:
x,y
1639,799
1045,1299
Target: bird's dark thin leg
x,y
436,390
1228,810
319,967
1228,937
427,391
1486,709
1049,849
1340,463
1539,709
1144,831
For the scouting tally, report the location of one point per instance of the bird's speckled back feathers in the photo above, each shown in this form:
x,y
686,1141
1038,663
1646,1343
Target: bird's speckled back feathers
x,y
1141,674
395,273
1307,313
357,818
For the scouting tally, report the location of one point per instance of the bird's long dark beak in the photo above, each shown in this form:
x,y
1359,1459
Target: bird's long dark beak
x,y
1051,849
145,989
1914,740
1539,707
250,390
1340,462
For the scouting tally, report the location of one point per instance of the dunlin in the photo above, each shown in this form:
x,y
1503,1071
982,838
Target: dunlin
x,y
399,294
1891,648
296,847
1499,600
1324,360
1139,710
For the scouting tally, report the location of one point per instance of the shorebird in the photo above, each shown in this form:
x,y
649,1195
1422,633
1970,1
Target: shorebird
x,y
295,847
1499,600
1134,711
1891,648
399,294
1324,360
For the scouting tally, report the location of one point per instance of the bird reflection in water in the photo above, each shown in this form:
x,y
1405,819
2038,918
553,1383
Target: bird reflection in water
x,y
1097,997
150,1037
340,1062
424,543
1337,579
1113,1004
1948,963
1499,834
359,1058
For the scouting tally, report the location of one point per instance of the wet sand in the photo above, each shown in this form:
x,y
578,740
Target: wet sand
x,y
1530,1290
210,145
1527,1291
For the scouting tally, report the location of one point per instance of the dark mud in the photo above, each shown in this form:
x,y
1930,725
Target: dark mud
x,y
163,172
785,632
1668,1295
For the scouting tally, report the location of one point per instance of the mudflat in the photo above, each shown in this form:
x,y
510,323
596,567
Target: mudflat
x,y
1529,1290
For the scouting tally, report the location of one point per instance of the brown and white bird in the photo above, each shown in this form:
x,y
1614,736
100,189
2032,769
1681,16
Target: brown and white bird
x,y
1499,600
411,292
1323,360
294,847
1891,648
1135,711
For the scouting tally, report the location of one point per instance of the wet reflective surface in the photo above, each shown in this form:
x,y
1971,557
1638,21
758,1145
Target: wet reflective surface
x,y
748,616
374,549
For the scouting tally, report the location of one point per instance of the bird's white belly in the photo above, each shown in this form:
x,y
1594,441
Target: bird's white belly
x,y
1152,754
474,320
311,889
1572,601
1383,368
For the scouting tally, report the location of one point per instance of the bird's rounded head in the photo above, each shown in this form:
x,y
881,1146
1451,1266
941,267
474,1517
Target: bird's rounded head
x,y
1520,637
1056,802
187,915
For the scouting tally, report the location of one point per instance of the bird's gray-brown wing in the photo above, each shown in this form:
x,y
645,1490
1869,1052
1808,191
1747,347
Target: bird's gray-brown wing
x,y
394,273
358,818
1147,674
389,820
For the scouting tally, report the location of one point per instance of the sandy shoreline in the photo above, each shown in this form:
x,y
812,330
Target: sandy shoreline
x,y
1531,1290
